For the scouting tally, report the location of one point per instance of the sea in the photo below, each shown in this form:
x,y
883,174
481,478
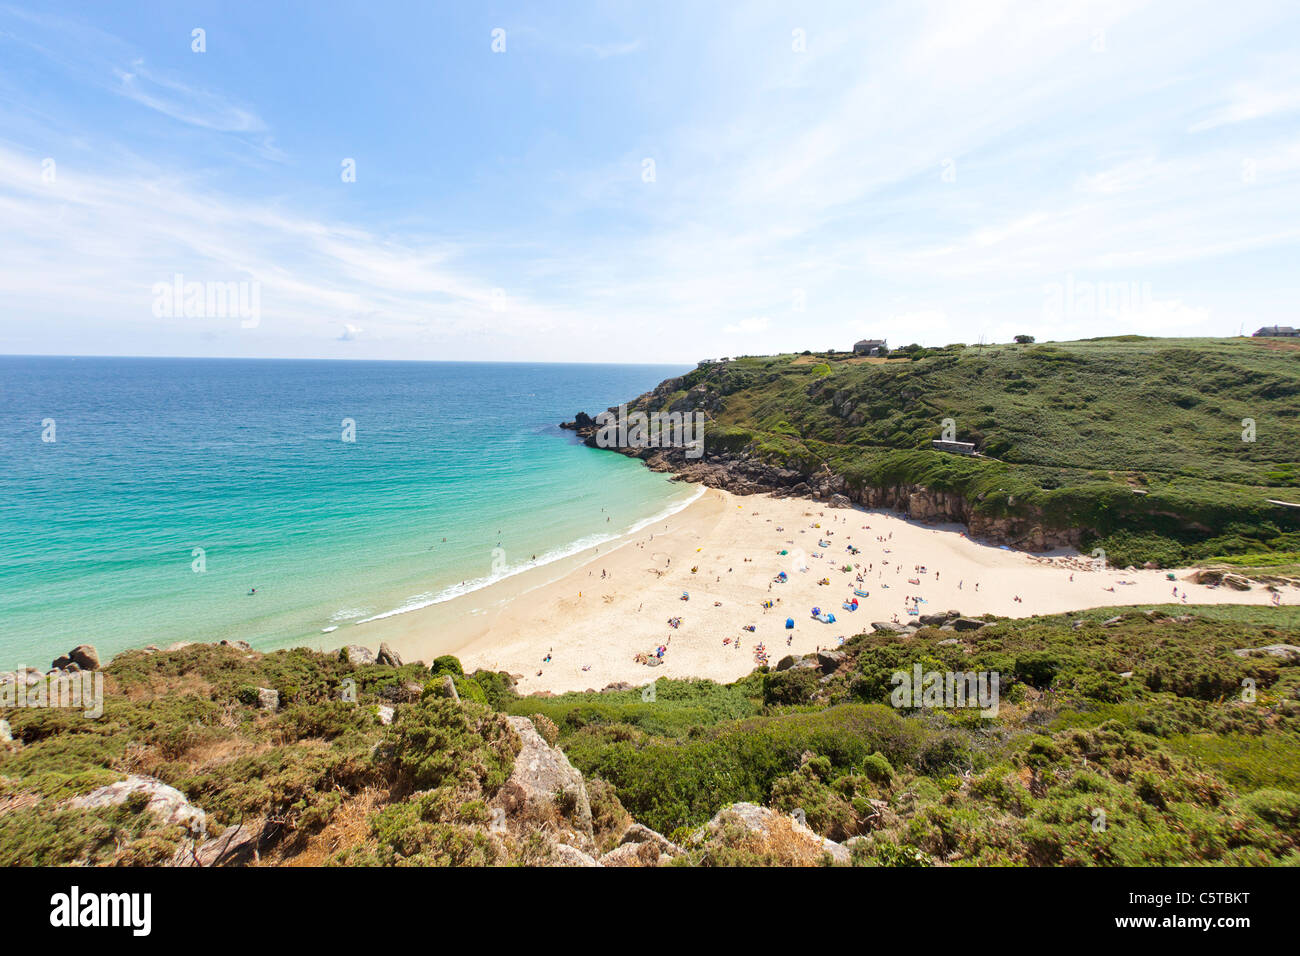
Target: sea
x,y
148,501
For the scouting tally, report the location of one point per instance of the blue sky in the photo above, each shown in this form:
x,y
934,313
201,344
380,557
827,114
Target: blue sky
x,y
929,172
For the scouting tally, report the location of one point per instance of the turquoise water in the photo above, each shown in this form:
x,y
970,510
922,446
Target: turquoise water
x,y
174,486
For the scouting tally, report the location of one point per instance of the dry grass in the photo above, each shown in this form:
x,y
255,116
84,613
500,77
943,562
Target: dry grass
x,y
1277,345
189,684
349,827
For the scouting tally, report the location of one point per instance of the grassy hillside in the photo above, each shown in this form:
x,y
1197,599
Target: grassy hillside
x,y
1136,440
1141,723
1183,769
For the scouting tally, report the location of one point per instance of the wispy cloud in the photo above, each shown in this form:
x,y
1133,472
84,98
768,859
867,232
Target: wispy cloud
x,y
915,171
181,102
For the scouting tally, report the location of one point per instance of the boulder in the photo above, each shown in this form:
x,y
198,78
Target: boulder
x,y
839,501
564,855
166,803
27,676
268,699
967,624
633,854
237,846
888,626
387,656
356,654
765,830
1236,582
639,833
546,787
829,661
936,620
787,662
446,687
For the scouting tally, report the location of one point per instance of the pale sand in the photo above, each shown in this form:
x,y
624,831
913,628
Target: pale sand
x,y
582,620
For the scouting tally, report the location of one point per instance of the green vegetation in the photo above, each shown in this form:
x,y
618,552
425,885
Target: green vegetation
x,y
1137,442
190,719
1142,740
1181,768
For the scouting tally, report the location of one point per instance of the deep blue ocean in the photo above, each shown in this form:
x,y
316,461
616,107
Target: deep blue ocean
x,y
172,487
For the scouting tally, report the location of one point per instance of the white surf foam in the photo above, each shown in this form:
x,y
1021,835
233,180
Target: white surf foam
x,y
427,599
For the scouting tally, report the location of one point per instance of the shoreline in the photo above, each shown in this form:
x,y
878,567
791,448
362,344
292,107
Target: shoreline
x,y
557,556
592,628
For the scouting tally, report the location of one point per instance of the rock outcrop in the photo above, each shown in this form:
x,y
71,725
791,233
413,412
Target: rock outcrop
x,y
641,846
356,654
167,803
237,846
829,661
743,473
747,826
545,789
83,657
564,855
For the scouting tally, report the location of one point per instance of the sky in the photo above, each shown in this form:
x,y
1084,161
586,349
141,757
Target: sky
x,y
641,182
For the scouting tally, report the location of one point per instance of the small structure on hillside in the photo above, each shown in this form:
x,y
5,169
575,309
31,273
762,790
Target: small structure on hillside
x,y
1278,332
871,347
955,447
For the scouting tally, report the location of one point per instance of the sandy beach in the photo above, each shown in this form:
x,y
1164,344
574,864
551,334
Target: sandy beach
x,y
582,624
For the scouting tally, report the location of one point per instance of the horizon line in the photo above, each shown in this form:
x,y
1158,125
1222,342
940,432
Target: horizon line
x,y
277,358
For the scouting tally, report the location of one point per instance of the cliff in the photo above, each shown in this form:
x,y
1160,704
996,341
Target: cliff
x,y
1134,445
